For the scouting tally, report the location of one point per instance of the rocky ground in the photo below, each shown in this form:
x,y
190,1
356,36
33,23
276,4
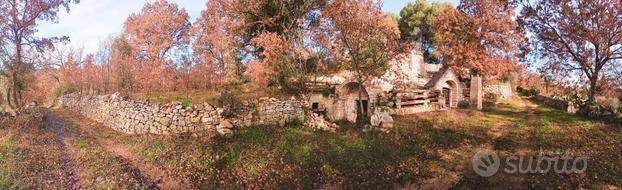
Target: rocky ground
x,y
425,151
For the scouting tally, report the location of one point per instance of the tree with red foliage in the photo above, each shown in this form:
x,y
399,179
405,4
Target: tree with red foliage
x,y
576,35
18,25
158,28
214,46
365,38
481,35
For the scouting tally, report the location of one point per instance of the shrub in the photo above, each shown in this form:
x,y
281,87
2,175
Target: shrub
x,y
230,103
527,92
490,99
534,92
64,90
463,104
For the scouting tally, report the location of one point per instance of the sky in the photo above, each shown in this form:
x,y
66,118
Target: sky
x,y
93,21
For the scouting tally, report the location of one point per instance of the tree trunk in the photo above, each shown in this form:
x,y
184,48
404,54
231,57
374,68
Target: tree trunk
x,y
14,74
362,113
592,91
8,97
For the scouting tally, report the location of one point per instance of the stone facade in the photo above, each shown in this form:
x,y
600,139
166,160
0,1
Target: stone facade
x,y
409,86
141,117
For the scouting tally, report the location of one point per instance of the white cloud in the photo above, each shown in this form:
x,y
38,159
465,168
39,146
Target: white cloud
x,y
93,20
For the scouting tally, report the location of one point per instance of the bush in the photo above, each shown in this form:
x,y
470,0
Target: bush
x,y
527,92
64,90
230,103
534,92
490,99
463,104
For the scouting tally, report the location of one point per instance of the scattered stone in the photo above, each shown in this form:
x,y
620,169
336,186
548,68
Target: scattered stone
x,y
225,124
318,122
382,120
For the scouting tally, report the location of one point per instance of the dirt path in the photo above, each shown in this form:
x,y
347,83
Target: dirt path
x,y
68,179
107,138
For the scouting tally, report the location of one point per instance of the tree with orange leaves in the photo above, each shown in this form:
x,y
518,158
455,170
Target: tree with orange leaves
x,y
18,24
366,39
214,46
481,36
152,34
576,35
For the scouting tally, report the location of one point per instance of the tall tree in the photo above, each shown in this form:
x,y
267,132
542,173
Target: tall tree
x,y
18,25
481,36
152,33
288,23
416,23
366,39
576,35
214,46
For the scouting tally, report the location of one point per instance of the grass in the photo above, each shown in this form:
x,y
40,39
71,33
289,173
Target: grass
x,y
427,150
194,97
26,159
186,98
10,155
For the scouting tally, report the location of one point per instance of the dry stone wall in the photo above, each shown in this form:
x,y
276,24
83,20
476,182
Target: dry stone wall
x,y
503,90
554,103
141,117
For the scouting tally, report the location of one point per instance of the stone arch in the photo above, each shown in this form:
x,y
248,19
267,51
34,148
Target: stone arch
x,y
450,92
349,98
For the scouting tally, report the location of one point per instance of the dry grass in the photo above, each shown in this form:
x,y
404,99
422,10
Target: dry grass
x,y
28,159
430,150
193,97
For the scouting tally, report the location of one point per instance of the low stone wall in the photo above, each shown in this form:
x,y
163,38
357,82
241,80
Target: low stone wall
x,y
141,117
503,90
553,103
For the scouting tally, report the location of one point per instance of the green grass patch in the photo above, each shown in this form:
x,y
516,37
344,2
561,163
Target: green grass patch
x,y
257,135
82,143
10,157
186,98
507,142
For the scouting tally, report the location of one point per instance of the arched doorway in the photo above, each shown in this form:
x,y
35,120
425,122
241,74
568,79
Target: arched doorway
x,y
447,96
450,94
352,105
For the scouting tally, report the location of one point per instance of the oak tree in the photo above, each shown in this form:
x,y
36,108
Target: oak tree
x,y
481,36
365,38
576,35
152,33
18,24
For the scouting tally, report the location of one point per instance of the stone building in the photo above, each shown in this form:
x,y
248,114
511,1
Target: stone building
x,y
409,86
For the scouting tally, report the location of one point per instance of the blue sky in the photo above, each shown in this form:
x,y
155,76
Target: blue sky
x,y
94,20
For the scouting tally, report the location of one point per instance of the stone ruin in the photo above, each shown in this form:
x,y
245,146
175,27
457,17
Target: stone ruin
x,y
409,86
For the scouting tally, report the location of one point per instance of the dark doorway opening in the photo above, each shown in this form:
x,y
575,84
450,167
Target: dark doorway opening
x,y
447,96
365,107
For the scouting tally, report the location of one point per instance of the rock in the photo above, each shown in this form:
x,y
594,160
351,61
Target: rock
x,y
227,133
225,129
165,121
382,120
206,120
315,121
225,124
12,113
